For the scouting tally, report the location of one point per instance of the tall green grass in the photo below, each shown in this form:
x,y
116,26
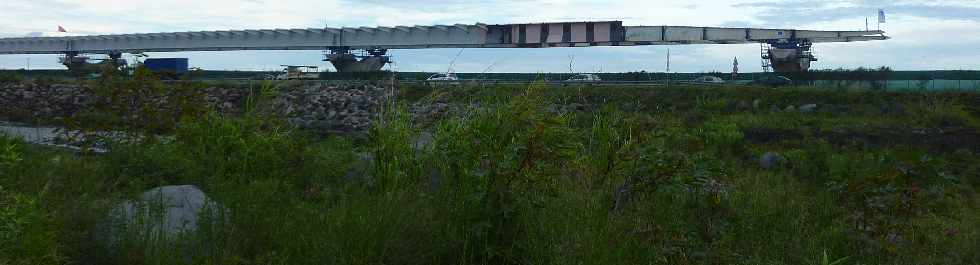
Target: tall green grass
x,y
510,181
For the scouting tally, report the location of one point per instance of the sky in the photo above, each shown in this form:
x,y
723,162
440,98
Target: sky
x,y
926,35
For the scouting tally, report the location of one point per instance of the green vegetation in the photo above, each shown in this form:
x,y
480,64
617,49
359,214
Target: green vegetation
x,y
6,78
638,175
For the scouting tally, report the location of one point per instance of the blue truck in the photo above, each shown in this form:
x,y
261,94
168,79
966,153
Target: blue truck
x,y
167,67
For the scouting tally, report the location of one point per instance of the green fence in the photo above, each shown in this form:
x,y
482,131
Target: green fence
x,y
939,85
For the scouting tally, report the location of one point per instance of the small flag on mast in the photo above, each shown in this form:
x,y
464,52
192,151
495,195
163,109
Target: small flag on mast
x,y
61,29
881,16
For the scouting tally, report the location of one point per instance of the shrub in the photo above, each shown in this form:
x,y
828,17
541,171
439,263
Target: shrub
x,y
6,78
392,140
26,236
887,193
141,106
721,136
498,162
10,155
609,146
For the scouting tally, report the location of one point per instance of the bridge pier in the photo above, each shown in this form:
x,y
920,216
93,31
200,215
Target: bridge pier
x,y
791,56
73,61
79,64
346,61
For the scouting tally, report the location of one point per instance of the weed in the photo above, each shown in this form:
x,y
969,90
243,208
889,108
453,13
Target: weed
x,y
26,236
644,176
827,260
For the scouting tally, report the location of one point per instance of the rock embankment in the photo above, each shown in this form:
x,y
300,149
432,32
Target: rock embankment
x,y
333,107
30,103
343,108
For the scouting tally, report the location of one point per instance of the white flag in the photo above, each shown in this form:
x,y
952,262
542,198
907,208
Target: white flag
x,y
881,16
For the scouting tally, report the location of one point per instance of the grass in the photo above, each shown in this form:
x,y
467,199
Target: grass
x,y
642,176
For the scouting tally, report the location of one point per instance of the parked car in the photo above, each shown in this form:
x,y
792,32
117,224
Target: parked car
x,y
709,80
584,78
442,79
772,81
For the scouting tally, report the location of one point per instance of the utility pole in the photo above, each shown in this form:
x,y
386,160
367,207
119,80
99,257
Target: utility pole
x,y
668,68
571,69
28,72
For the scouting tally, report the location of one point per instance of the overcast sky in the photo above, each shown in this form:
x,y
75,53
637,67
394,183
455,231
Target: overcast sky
x,y
936,35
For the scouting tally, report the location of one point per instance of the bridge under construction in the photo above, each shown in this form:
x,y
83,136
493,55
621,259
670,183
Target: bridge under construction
x,y
359,49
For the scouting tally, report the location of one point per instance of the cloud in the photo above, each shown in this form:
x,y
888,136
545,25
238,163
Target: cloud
x,y
795,12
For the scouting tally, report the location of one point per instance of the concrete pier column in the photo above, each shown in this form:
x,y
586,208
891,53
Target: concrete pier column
x,y
350,63
791,56
367,61
788,60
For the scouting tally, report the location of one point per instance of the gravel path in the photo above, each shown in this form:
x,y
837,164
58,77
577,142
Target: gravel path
x,y
35,135
47,136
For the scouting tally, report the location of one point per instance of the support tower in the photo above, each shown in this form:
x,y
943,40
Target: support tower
x,y
346,60
79,64
788,56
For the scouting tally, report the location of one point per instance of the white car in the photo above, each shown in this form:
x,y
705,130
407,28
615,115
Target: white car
x,y
709,80
443,77
446,78
585,78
